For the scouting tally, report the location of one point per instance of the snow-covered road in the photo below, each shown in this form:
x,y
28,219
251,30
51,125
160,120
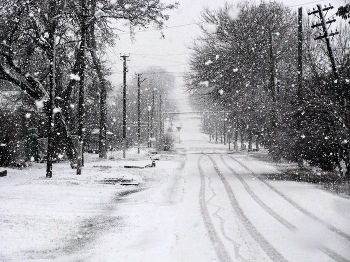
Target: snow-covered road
x,y
200,205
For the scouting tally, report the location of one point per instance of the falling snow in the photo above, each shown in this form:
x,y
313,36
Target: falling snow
x,y
209,62
210,28
204,83
39,103
74,77
233,13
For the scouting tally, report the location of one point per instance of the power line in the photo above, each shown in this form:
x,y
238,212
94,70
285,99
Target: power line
x,y
150,57
313,2
158,29
161,54
165,65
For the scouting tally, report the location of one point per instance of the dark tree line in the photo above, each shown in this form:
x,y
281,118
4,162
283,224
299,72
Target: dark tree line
x,y
247,65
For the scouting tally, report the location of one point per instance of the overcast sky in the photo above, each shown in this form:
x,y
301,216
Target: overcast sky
x,y
171,52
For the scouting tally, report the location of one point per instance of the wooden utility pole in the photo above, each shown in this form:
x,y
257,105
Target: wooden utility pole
x,y
81,107
272,68
124,103
300,54
326,35
300,74
161,131
152,116
139,112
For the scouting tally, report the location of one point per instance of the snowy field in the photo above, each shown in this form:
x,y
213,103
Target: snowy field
x,y
46,219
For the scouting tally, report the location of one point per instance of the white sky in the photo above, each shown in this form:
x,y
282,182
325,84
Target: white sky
x,y
172,52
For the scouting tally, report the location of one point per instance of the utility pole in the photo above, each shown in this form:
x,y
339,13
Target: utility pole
x,y
81,107
124,103
152,116
139,112
300,73
300,54
272,84
326,35
272,68
161,131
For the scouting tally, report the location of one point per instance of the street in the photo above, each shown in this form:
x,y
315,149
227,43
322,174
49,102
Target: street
x,y
217,207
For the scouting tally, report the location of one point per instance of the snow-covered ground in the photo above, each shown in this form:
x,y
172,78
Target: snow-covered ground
x,y
199,204
50,218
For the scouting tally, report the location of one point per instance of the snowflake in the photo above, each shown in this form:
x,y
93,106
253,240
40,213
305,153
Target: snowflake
x,y
210,28
204,83
208,62
74,77
233,13
39,104
99,13
56,110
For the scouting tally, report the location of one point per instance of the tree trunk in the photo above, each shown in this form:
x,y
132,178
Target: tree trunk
x,y
51,104
66,139
235,144
257,143
103,106
242,140
250,145
102,146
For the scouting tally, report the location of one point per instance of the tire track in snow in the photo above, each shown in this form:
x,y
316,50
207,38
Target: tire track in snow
x,y
329,252
270,251
222,222
218,245
295,204
269,210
